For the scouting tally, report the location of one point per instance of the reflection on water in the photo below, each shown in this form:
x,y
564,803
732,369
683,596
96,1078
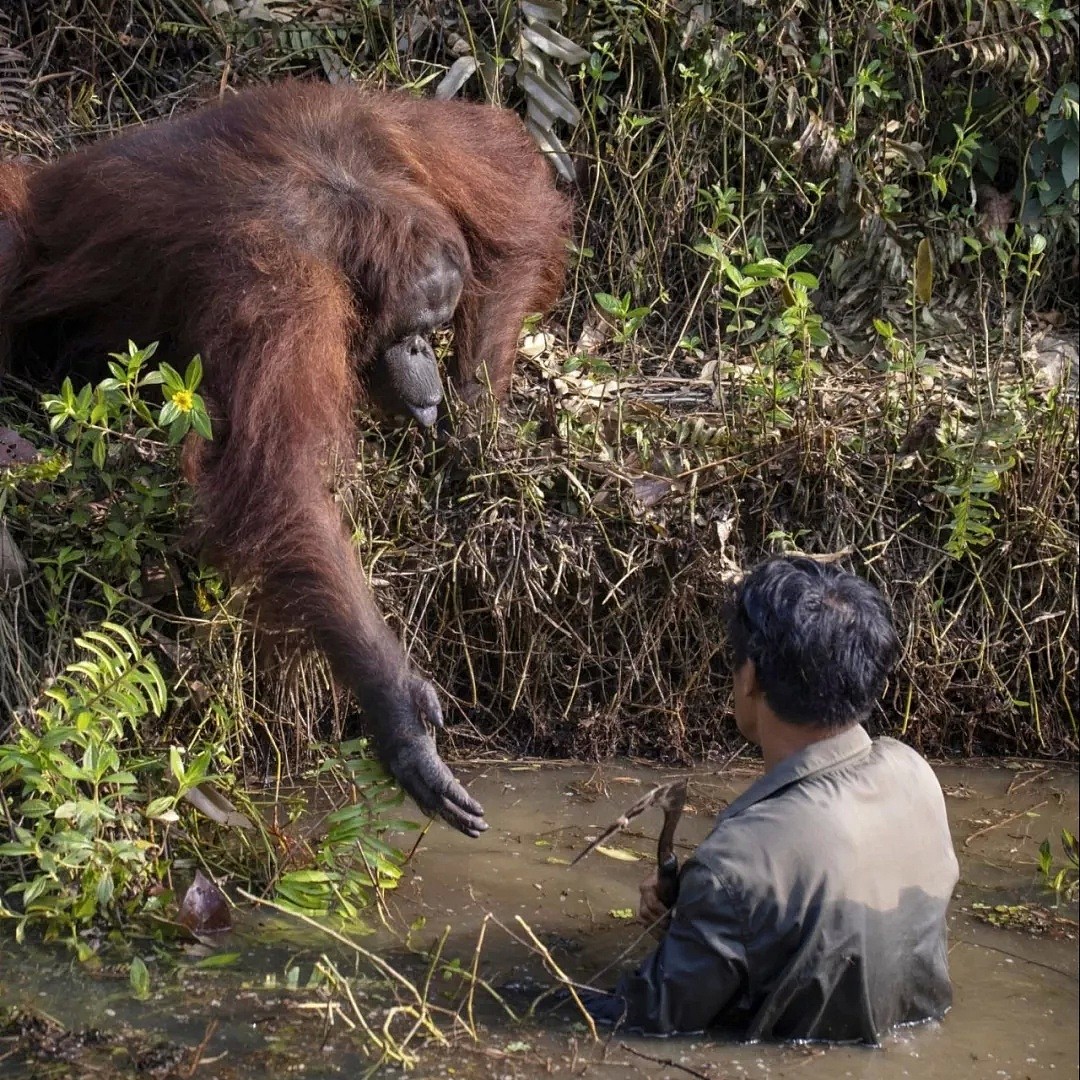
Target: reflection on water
x,y
1015,1015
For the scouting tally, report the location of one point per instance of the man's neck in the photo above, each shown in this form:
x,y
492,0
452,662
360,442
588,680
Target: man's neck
x,y
779,740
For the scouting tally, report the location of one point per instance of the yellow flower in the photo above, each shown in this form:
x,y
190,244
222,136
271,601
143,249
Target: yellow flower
x,y
183,400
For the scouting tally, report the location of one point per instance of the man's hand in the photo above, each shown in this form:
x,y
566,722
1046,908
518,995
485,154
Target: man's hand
x,y
651,909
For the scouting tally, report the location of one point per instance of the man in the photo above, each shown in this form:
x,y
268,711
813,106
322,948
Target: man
x,y
816,907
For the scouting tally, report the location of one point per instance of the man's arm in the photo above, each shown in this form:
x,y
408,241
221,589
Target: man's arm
x,y
697,969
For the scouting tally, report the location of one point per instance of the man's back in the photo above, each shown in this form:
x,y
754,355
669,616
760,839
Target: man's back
x,y
816,907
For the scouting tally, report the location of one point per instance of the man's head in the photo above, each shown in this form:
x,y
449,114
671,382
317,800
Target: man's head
x,y
815,642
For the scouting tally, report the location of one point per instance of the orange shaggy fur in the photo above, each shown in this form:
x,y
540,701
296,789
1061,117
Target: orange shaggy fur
x,y
272,234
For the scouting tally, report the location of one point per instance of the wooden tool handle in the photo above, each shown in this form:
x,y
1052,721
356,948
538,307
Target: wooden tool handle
x,y
668,880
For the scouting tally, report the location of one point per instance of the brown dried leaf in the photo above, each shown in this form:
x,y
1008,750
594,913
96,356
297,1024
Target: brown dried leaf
x,y
204,909
212,804
650,490
14,449
924,272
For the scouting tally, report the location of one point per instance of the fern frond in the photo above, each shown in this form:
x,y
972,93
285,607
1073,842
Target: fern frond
x,y
117,683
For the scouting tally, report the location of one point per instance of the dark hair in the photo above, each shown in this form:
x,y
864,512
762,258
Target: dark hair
x,y
821,639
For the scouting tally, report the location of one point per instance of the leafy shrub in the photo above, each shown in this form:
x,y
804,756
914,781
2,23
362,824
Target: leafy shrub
x,y
99,802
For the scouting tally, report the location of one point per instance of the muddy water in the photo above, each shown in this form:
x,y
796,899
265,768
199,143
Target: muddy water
x,y
1015,1016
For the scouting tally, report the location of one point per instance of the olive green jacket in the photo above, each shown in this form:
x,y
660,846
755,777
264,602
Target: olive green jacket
x,y
815,909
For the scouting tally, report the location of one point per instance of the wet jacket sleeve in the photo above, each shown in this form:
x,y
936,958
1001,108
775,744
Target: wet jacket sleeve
x,y
698,970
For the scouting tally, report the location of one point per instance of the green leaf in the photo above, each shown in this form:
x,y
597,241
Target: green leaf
x,y
121,777
797,254
179,428
35,889
201,423
16,848
176,765
66,811
172,377
305,877
1049,189
764,270
104,891
193,375
140,979
734,275
1046,859
1070,163
217,960
160,806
